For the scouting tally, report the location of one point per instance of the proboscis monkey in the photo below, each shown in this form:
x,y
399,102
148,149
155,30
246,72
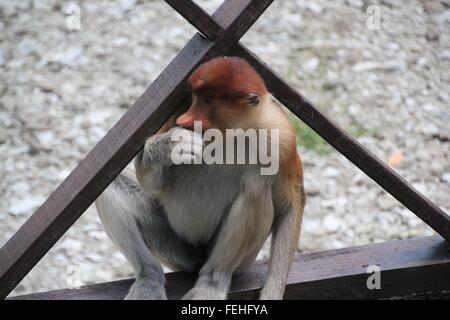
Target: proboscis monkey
x,y
210,218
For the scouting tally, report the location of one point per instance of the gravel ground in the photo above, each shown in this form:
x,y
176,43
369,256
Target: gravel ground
x,y
62,88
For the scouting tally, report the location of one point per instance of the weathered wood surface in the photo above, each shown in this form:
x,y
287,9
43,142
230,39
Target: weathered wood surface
x,y
413,266
348,146
76,193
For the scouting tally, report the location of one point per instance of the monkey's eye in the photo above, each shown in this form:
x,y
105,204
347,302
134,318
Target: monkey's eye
x,y
208,100
253,99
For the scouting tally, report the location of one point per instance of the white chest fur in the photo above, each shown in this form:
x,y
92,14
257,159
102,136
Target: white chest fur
x,y
199,197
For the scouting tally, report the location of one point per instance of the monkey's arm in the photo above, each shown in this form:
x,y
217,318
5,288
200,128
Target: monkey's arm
x,y
239,240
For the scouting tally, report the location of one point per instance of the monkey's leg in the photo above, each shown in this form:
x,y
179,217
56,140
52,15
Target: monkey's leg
x,y
136,223
285,234
241,235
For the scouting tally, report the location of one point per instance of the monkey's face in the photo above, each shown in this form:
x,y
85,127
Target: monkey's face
x,y
224,91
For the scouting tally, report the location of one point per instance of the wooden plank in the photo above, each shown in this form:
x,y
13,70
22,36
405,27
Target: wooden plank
x,y
413,266
343,142
119,146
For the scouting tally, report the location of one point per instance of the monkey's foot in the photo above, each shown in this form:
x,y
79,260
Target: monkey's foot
x,y
205,293
144,290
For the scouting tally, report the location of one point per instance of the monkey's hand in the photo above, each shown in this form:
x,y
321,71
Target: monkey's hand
x,y
176,146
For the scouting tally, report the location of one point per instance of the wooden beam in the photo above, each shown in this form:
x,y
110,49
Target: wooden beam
x,y
342,141
412,266
77,192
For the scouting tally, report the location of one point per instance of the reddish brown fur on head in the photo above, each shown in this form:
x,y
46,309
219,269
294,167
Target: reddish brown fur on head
x,y
228,77
222,89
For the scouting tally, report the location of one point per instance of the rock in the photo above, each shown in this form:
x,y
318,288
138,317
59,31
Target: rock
x,y
388,66
433,6
20,188
3,135
310,65
71,245
61,258
312,188
355,3
331,223
2,59
432,34
45,5
95,257
430,129
354,109
392,3
71,56
386,202
126,5
446,3
8,8
311,226
444,17
90,227
446,177
414,222
98,116
44,84
429,107
27,47
332,80
314,7
26,205
331,172
98,235
46,138
336,244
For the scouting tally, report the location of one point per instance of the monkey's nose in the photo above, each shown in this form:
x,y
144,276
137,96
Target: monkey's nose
x,y
185,120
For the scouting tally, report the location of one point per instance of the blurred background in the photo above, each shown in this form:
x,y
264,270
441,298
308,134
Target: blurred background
x,y
378,68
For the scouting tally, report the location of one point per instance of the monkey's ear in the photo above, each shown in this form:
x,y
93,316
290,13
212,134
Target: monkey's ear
x,y
253,99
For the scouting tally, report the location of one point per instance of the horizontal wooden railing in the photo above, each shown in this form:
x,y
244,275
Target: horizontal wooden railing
x,y
406,267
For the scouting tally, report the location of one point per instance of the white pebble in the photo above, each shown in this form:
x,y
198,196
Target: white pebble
x,y
331,223
310,65
446,177
26,205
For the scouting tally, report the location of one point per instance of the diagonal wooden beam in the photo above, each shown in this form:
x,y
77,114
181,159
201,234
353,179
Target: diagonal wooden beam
x,y
342,141
105,161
